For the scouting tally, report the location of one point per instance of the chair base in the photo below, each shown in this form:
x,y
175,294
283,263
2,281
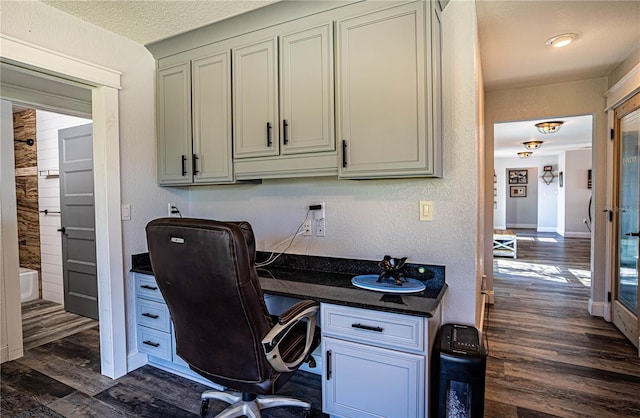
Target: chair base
x,y
248,404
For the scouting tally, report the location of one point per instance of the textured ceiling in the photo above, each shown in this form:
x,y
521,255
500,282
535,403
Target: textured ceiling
x,y
513,34
152,20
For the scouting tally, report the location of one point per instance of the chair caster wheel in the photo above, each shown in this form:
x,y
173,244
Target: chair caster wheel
x,y
204,407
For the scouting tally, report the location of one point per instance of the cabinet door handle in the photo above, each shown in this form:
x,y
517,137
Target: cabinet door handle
x,y
344,153
269,142
151,343
184,165
285,126
367,327
328,364
146,286
148,315
195,164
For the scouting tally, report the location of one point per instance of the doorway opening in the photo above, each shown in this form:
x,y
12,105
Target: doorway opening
x,y
45,67
545,198
43,270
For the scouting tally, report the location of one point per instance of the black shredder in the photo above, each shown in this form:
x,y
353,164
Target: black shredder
x,y
458,366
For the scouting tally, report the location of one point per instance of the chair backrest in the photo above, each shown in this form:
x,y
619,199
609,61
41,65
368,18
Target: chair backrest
x,y
206,273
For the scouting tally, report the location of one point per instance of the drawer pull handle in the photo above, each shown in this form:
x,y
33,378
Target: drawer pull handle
x,y
328,365
151,343
148,315
146,286
367,327
269,142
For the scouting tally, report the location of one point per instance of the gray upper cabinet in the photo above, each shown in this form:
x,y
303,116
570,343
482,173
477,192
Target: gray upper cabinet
x,y
284,104
255,94
274,95
211,96
306,90
384,89
194,121
174,124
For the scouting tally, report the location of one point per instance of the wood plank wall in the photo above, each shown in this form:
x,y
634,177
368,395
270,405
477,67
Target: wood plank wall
x,y
26,164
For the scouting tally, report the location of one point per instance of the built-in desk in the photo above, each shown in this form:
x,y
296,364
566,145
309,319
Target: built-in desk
x,y
375,347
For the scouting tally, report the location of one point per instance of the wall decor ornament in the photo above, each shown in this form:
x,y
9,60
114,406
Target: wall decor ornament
x,y
518,191
548,177
518,176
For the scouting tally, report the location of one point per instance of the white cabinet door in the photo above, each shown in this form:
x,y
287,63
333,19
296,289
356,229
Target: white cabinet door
x,y
174,125
381,93
364,381
255,100
212,146
306,91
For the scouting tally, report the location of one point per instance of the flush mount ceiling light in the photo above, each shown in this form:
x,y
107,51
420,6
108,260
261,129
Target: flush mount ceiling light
x,y
524,154
559,41
532,144
549,127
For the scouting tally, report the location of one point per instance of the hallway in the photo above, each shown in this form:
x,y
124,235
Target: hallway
x,y
547,356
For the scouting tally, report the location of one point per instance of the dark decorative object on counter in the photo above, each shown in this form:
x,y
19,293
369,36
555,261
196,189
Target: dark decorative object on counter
x,y
391,268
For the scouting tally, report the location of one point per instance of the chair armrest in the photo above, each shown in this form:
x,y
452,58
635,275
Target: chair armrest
x,y
306,309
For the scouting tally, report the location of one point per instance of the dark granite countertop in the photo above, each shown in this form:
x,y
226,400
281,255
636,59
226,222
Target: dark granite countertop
x,y
328,279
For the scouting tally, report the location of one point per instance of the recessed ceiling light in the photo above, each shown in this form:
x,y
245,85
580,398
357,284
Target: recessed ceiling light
x,y
559,41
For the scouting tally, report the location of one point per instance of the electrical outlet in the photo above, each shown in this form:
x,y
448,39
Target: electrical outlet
x,y
306,227
173,211
321,228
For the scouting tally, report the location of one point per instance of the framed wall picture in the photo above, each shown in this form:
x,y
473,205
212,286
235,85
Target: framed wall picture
x,y
518,176
547,168
518,191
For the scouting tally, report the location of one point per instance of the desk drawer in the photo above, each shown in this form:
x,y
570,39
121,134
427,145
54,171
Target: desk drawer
x,y
153,342
374,327
153,315
147,288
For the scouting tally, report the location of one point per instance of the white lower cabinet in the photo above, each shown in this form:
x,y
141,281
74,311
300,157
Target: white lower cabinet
x,y
375,363
366,381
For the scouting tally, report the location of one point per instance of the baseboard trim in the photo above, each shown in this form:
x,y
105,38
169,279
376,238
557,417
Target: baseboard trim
x,y
135,361
522,226
577,234
597,308
490,296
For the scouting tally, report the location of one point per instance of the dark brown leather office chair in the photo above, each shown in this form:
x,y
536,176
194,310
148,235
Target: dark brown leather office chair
x,y
206,273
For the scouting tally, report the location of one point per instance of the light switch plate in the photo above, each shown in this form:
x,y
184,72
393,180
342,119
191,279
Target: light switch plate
x,y
426,210
125,211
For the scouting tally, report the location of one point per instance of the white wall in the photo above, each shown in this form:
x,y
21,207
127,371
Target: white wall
x,y
365,219
576,193
10,330
47,126
546,196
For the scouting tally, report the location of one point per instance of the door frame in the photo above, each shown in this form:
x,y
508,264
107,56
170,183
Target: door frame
x,y
615,96
104,84
626,321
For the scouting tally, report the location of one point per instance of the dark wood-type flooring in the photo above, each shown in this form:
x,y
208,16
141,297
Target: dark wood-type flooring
x,y
61,378
547,357
44,321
